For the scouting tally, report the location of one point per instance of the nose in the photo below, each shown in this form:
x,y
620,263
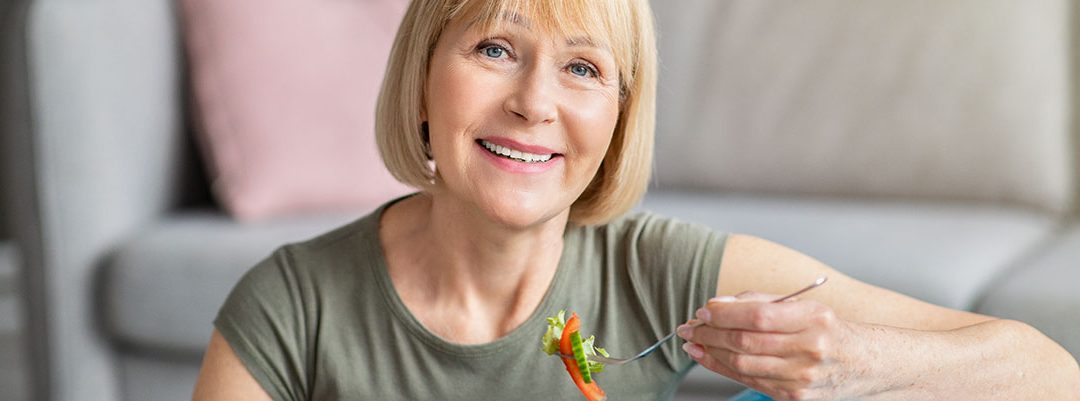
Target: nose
x,y
533,98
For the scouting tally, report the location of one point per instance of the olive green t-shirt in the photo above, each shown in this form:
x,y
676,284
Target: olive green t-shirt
x,y
320,320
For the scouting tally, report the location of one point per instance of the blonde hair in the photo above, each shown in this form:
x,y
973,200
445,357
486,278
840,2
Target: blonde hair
x,y
625,26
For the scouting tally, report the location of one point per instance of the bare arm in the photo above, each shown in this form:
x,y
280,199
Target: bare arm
x,y
851,339
224,377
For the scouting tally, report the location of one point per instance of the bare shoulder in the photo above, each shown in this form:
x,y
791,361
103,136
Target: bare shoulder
x,y
224,377
756,264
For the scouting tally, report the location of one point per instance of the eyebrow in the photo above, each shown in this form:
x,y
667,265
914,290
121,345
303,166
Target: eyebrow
x,y
577,41
583,41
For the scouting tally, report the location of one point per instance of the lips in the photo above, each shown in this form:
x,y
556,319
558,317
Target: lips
x,y
513,150
514,154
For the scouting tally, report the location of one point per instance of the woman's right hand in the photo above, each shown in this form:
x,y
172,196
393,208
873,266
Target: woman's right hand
x,y
792,350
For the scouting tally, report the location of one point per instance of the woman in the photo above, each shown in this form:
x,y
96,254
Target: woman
x,y
528,128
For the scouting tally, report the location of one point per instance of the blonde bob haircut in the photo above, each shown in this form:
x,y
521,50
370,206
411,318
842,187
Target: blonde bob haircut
x,y
624,26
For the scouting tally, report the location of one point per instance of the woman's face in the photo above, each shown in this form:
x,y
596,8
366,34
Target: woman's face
x,y
519,119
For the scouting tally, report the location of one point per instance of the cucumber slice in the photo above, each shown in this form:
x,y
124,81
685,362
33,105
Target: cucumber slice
x,y
579,356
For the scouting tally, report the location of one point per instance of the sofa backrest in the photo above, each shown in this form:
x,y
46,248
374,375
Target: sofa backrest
x,y
962,99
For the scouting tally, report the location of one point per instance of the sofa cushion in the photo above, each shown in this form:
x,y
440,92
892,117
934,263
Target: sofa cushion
x,y
162,289
964,99
1042,291
942,253
145,377
285,101
10,311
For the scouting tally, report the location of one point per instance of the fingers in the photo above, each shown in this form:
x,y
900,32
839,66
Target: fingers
x,y
783,378
752,312
771,375
800,329
763,366
747,342
747,296
812,346
788,348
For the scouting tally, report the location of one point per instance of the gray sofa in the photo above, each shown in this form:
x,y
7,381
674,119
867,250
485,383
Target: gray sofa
x,y
920,145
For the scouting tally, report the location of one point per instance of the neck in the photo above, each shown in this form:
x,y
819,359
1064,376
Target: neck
x,y
454,263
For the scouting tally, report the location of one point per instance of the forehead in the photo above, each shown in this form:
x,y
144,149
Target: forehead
x,y
588,22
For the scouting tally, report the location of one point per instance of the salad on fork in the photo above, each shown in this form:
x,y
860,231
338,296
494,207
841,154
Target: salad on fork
x,y
563,338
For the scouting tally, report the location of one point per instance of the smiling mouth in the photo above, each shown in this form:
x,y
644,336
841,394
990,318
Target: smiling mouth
x,y
515,155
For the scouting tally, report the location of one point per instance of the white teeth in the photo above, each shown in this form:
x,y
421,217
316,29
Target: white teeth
x,y
515,154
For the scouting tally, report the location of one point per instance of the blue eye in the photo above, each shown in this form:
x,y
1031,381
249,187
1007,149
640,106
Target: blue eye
x,y
494,51
582,70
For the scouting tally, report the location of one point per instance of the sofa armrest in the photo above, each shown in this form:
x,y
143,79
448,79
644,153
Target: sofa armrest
x,y
98,144
1040,290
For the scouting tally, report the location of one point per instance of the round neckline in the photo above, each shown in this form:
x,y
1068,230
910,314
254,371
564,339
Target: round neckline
x,y
528,330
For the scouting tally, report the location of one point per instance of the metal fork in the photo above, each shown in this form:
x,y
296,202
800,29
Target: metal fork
x,y
654,347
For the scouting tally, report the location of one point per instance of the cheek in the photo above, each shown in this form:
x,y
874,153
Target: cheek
x,y
446,108
448,90
456,102
594,123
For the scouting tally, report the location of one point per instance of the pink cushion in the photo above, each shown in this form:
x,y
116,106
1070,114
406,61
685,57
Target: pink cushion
x,y
284,92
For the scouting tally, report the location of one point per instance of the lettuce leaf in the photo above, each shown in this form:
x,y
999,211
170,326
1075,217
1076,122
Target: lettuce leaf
x,y
554,333
551,338
590,350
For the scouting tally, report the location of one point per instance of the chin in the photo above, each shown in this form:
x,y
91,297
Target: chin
x,y
523,212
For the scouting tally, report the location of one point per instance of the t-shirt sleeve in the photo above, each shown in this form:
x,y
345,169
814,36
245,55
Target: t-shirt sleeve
x,y
674,267
263,321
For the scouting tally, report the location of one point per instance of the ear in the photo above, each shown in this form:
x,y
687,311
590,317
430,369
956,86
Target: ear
x,y
425,138
423,105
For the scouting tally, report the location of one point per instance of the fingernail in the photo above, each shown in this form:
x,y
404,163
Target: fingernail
x,y
725,298
694,350
684,331
702,314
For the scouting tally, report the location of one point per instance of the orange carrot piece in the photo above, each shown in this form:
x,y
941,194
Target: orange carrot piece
x,y
592,391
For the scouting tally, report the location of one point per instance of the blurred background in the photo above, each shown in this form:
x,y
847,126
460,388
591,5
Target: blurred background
x,y
14,371
151,151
